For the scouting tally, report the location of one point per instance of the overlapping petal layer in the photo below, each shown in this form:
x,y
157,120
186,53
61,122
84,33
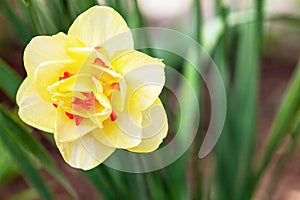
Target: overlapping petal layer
x,y
85,153
102,26
33,109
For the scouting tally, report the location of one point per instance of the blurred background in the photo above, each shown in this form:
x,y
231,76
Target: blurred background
x,y
256,46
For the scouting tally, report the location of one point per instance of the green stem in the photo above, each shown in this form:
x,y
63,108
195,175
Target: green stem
x,y
259,20
199,22
196,190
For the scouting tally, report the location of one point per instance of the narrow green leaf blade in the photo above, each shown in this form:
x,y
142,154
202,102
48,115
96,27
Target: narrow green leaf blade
x,y
20,27
7,172
284,116
80,6
27,194
29,143
101,183
9,80
24,162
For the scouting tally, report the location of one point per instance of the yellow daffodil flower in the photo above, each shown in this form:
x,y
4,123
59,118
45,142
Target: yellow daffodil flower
x,y
93,90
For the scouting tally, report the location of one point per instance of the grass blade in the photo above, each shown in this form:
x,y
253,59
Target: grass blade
x,y
41,17
21,28
27,194
236,146
6,171
30,144
77,8
281,123
245,101
101,183
285,157
9,80
23,161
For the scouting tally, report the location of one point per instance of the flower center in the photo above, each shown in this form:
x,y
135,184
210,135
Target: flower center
x,y
71,116
86,101
111,86
66,75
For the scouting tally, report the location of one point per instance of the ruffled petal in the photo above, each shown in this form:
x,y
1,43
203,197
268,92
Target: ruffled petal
x,y
144,75
99,135
84,153
82,95
22,89
33,110
101,111
47,48
119,96
89,55
79,83
51,72
122,133
66,129
102,26
155,128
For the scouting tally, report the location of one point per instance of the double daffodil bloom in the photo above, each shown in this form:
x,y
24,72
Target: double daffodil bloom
x,y
93,90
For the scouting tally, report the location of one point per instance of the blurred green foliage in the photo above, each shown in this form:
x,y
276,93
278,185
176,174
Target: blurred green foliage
x,y
236,174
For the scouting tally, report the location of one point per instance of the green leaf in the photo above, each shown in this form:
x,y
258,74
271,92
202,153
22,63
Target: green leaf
x,y
27,194
104,178
283,119
188,120
101,183
288,153
21,27
80,6
9,80
234,152
41,17
245,102
213,29
21,158
57,10
30,144
7,172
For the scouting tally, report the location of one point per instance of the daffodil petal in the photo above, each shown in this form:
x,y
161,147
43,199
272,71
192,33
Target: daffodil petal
x,y
99,135
102,26
80,83
155,128
122,133
22,89
33,110
100,70
126,61
98,115
66,129
44,49
119,96
88,55
144,75
125,131
49,73
84,153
